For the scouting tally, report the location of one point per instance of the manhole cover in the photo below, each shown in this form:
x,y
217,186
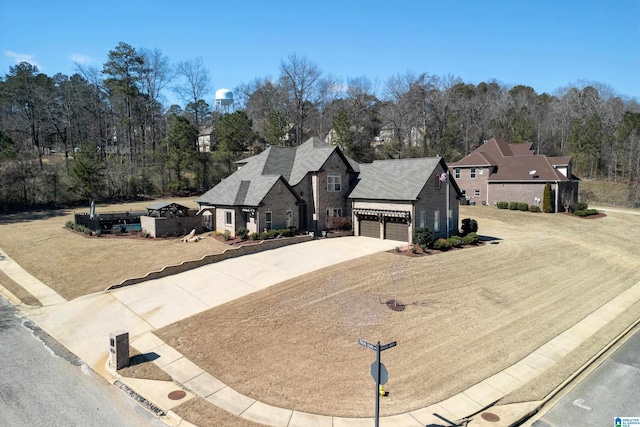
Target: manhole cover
x,y
395,305
488,416
177,394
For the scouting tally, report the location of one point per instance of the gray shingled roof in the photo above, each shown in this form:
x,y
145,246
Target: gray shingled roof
x,y
251,183
401,179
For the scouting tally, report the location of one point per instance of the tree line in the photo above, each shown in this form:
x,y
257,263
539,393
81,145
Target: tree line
x,y
108,134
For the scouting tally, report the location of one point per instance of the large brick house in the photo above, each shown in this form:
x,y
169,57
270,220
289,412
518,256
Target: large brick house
x,y
309,186
497,171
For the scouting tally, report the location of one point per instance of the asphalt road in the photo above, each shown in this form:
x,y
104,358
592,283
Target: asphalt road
x,y
611,391
42,384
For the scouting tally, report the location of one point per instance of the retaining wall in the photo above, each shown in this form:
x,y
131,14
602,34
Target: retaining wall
x,y
232,252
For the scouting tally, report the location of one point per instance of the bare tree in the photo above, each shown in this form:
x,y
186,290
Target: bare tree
x,y
195,83
300,76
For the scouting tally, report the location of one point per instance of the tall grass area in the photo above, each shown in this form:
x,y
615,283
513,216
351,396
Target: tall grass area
x,y
607,193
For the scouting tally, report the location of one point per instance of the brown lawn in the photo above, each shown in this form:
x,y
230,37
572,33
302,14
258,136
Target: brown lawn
x,y
470,313
75,265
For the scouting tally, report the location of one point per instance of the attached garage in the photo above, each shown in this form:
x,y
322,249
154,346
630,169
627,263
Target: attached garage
x,y
396,229
369,227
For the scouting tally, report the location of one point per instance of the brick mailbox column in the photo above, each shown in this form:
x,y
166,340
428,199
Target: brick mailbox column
x,y
119,349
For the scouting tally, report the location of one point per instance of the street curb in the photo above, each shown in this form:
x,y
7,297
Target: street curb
x,y
589,366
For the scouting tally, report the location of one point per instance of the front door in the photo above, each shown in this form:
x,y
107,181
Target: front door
x,y
289,218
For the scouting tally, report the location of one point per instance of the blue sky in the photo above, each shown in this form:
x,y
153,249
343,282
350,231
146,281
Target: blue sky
x,y
543,44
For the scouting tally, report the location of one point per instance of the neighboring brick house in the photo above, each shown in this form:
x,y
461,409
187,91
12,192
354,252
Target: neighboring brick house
x,y
309,186
497,171
393,197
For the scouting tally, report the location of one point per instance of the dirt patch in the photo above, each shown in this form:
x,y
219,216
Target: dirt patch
x,y
468,314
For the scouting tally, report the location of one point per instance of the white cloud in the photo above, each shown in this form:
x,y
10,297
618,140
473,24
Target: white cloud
x,y
17,58
80,59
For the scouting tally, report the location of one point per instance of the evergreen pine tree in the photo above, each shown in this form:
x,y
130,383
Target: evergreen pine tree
x,y
547,199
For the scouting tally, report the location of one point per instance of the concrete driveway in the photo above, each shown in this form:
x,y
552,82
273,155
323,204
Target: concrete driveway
x,y
84,324
170,299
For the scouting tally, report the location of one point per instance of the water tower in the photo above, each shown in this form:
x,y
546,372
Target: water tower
x,y
224,100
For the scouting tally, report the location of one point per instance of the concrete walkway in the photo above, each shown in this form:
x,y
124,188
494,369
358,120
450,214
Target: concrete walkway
x,y
83,326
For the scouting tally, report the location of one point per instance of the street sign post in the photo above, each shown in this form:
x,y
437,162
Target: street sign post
x,y
384,374
378,370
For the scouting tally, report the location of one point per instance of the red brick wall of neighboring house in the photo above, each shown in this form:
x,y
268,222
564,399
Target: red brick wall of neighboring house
x,y
469,185
516,192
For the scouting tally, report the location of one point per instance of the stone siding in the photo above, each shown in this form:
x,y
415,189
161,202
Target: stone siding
x,y
278,201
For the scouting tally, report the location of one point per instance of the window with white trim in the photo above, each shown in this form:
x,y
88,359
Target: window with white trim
x,y
334,212
457,171
472,173
228,218
476,193
436,221
480,170
423,218
450,219
334,183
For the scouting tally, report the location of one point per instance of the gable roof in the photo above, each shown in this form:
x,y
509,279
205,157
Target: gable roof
x,y
399,179
257,174
514,162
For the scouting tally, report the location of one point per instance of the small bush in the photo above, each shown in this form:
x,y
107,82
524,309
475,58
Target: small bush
x,y
442,244
456,241
272,234
226,234
577,206
534,208
585,212
263,236
70,224
286,232
502,205
423,236
469,226
523,207
397,249
414,249
242,233
254,236
470,239
513,206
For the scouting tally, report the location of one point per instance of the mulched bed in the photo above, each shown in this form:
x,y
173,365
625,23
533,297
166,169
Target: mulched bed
x,y
408,250
596,216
